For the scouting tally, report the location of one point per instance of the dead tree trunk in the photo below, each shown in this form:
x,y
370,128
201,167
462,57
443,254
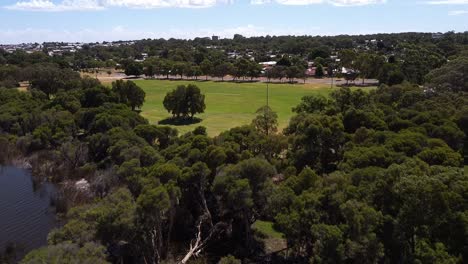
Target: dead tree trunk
x,y
205,220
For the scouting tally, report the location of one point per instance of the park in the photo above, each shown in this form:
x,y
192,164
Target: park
x,y
229,104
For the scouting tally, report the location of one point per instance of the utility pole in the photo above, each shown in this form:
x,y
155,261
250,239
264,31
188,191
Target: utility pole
x,y
267,102
268,95
268,90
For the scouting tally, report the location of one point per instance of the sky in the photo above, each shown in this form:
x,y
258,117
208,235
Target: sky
x,y
24,21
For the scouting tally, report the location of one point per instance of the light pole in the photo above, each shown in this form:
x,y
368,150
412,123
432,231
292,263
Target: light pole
x,y
268,88
267,102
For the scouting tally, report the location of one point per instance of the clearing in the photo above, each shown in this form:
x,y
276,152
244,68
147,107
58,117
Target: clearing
x,y
229,104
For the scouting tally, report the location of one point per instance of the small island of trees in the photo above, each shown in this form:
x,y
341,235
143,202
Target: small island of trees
x,y
184,102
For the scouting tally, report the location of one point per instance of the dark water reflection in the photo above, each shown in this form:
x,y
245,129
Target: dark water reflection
x,y
26,216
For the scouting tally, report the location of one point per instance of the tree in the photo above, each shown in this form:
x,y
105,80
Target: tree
x,y
74,154
67,253
166,68
278,72
319,71
196,71
149,70
266,121
50,79
206,67
179,68
241,67
134,68
195,100
293,72
184,101
452,76
174,102
110,220
322,51
347,57
254,70
316,140
284,61
136,96
369,65
148,132
223,69
129,93
153,205
418,61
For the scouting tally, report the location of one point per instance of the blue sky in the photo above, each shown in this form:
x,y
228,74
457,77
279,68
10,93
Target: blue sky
x,y
100,20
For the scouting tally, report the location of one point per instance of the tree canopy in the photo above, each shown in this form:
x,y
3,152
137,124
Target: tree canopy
x,y
185,101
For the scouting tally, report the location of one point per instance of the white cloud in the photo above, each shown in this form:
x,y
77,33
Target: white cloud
x,y
74,5
356,2
458,12
448,2
311,2
163,3
299,2
47,5
260,2
70,5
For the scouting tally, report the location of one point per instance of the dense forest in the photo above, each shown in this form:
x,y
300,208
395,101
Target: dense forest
x,y
362,176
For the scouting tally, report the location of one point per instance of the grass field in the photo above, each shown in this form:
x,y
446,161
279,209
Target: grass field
x,y
229,104
273,240
267,229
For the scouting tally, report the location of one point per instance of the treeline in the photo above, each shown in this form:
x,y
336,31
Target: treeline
x,y
390,58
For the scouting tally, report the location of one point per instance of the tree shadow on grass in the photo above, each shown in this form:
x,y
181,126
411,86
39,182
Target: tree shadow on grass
x,y
180,121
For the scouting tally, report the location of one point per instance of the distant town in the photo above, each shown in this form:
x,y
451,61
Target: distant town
x,y
59,48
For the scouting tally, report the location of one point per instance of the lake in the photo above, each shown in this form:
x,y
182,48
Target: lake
x,y
26,216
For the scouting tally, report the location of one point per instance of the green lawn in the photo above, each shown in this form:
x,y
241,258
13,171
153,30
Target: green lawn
x,y
273,240
229,104
267,229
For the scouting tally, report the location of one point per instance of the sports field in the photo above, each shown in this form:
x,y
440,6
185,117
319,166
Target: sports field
x,y
229,104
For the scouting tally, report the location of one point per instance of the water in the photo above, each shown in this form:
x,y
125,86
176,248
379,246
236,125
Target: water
x,y
26,216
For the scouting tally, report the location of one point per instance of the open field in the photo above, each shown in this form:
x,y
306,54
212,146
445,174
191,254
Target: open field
x,y
229,104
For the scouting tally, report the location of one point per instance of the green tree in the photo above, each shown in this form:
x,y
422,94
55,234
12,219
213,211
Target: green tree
x,y
206,67
185,101
222,69
67,253
319,71
134,68
50,79
148,132
254,70
316,140
450,77
266,121
180,68
129,93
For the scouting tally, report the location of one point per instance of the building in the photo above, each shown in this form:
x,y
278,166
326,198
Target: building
x,y
266,65
311,71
